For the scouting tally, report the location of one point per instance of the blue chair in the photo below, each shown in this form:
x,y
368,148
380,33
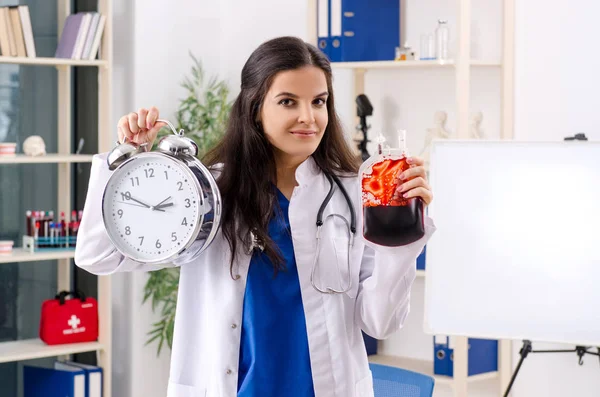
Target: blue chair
x,y
398,382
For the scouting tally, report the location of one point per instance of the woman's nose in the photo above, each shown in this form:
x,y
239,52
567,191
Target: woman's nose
x,y
306,115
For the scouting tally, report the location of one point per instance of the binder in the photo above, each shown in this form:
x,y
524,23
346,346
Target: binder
x,y
358,30
370,344
50,382
93,376
482,356
442,362
323,27
421,259
336,26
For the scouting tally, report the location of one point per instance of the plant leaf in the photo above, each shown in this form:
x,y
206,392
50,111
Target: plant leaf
x,y
202,113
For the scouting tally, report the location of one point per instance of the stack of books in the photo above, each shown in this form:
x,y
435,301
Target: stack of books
x,y
16,35
81,36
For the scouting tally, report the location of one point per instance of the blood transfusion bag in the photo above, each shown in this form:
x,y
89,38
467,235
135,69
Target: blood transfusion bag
x,y
388,218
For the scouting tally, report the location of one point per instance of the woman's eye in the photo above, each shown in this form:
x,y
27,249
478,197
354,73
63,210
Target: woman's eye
x,y
319,102
286,102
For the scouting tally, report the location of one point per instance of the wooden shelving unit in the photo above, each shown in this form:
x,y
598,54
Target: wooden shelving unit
x,y
34,348
52,61
462,66
22,255
46,159
30,349
410,64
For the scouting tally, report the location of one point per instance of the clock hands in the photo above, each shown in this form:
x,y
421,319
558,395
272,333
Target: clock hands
x,y
125,202
144,205
138,201
160,206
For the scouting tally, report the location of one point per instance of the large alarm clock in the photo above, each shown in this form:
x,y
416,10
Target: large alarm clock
x,y
156,204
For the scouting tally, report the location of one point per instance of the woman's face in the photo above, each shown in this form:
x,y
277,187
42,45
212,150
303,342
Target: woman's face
x,y
294,113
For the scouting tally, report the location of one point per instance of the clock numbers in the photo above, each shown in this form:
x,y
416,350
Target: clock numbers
x,y
154,209
150,173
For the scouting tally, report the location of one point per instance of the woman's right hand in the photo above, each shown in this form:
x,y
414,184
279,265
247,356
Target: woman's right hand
x,y
140,127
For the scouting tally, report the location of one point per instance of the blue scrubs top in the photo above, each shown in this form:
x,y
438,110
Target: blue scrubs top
x,y
274,357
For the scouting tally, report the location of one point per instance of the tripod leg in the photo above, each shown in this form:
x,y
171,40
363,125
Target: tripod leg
x,y
581,350
525,350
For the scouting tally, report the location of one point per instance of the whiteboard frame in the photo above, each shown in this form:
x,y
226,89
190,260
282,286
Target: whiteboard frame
x,y
435,144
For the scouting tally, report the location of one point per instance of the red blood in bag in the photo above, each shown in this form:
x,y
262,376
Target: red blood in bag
x,y
390,219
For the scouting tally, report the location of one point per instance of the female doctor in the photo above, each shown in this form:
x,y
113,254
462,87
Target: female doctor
x,y
265,311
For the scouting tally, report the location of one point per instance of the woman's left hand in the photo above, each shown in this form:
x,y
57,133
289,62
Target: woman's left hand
x,y
413,181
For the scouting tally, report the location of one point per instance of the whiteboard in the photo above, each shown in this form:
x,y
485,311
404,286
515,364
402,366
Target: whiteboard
x,y
516,254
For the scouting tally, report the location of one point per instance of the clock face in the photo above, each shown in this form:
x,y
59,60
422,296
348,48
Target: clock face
x,y
151,207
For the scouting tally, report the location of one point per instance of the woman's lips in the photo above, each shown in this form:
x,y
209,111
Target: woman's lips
x,y
304,132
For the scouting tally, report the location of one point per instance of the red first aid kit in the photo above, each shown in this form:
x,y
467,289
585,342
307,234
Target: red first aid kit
x,y
69,320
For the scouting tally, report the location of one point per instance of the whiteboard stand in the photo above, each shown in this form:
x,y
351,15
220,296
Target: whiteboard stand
x,y
527,348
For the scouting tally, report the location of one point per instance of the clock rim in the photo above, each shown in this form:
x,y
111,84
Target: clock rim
x,y
199,197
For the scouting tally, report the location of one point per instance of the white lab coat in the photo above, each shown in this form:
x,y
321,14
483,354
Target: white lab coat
x,y
206,341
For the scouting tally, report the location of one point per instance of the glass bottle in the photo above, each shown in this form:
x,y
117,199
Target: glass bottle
x,y
427,47
442,36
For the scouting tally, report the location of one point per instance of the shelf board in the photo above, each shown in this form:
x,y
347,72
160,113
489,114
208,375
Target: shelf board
x,y
425,367
407,64
30,349
48,158
479,62
51,61
22,255
420,273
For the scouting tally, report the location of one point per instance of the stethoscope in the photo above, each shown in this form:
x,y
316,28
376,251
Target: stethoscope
x,y
351,227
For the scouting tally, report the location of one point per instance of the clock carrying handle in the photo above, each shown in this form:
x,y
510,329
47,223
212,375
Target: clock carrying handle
x,y
167,122
178,133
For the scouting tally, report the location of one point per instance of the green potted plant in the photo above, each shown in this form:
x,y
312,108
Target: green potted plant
x,y
202,114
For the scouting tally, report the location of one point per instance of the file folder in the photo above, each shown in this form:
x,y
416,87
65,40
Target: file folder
x,y
93,376
358,30
50,382
370,344
323,27
482,356
442,361
336,25
421,259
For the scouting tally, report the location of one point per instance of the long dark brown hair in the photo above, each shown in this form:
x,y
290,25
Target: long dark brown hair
x,y
245,155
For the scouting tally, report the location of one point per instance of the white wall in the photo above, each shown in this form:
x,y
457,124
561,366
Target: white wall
x,y
151,57
407,99
555,76
556,96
